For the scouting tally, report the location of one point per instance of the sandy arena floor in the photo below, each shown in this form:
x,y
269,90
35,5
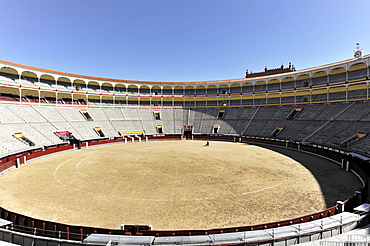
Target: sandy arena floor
x,y
170,185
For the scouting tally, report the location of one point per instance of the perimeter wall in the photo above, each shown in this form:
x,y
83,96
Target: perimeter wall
x,y
50,229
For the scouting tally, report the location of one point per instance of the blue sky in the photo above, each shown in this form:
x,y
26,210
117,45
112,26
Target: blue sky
x,y
176,40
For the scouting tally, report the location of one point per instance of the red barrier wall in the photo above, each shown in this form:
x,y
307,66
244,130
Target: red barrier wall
x,y
52,229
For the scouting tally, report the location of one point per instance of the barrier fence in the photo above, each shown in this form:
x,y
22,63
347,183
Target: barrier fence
x,y
50,229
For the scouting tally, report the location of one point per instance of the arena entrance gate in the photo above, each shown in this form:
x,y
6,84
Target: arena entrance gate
x,y
188,130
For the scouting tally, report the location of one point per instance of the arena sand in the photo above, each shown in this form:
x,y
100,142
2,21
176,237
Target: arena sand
x,y
168,184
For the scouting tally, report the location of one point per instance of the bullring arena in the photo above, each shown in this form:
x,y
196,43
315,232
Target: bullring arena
x,y
287,163
170,185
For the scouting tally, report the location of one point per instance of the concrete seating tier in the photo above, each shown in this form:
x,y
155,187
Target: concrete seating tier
x,y
323,123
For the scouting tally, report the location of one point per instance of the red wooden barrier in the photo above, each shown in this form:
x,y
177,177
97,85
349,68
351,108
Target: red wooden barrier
x,y
79,232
